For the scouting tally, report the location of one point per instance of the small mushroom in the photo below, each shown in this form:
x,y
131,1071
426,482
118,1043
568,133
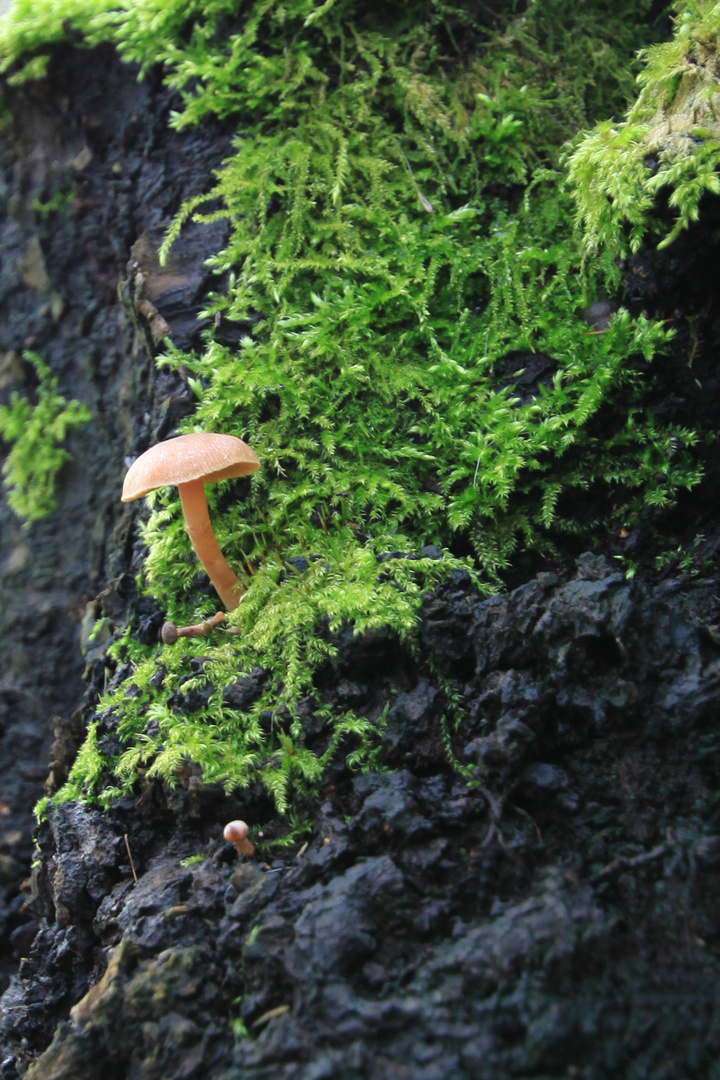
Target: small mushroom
x,y
189,462
235,832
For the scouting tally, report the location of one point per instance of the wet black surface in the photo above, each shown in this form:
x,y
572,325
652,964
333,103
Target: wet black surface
x,y
95,134
556,906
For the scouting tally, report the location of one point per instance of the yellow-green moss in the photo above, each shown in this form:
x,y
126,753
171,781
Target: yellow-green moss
x,y
36,433
668,144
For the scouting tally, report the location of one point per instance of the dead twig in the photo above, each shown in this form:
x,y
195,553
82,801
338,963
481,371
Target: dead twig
x,y
496,806
132,864
170,632
628,862
279,1010
533,822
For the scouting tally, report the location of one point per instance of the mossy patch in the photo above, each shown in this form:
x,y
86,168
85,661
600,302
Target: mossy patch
x,y
667,147
401,248
36,434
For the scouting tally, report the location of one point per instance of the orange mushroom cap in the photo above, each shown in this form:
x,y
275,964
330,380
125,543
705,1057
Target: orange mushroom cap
x,y
189,462
202,456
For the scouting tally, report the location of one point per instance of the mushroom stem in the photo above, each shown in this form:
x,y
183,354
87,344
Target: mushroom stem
x,y
207,549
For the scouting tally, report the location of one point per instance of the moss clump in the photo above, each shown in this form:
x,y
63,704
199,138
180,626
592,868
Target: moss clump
x,y
36,433
401,246
667,146
172,716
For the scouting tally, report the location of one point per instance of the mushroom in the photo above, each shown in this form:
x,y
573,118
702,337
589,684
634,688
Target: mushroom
x,y
235,832
189,462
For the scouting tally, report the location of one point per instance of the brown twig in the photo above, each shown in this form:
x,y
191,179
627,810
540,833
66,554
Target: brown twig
x,y
533,822
496,806
271,1014
628,862
170,632
132,864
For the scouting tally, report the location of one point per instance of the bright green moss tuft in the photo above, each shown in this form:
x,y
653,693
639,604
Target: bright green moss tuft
x,y
401,247
668,145
36,433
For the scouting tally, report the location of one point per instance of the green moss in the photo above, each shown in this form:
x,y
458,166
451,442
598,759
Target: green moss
x,y
400,246
36,433
58,204
279,619
668,145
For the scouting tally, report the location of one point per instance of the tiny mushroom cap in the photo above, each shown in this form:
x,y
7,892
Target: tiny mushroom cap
x,y
189,462
235,832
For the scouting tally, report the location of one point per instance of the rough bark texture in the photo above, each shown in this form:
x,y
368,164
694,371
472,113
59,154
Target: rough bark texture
x,y
558,916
